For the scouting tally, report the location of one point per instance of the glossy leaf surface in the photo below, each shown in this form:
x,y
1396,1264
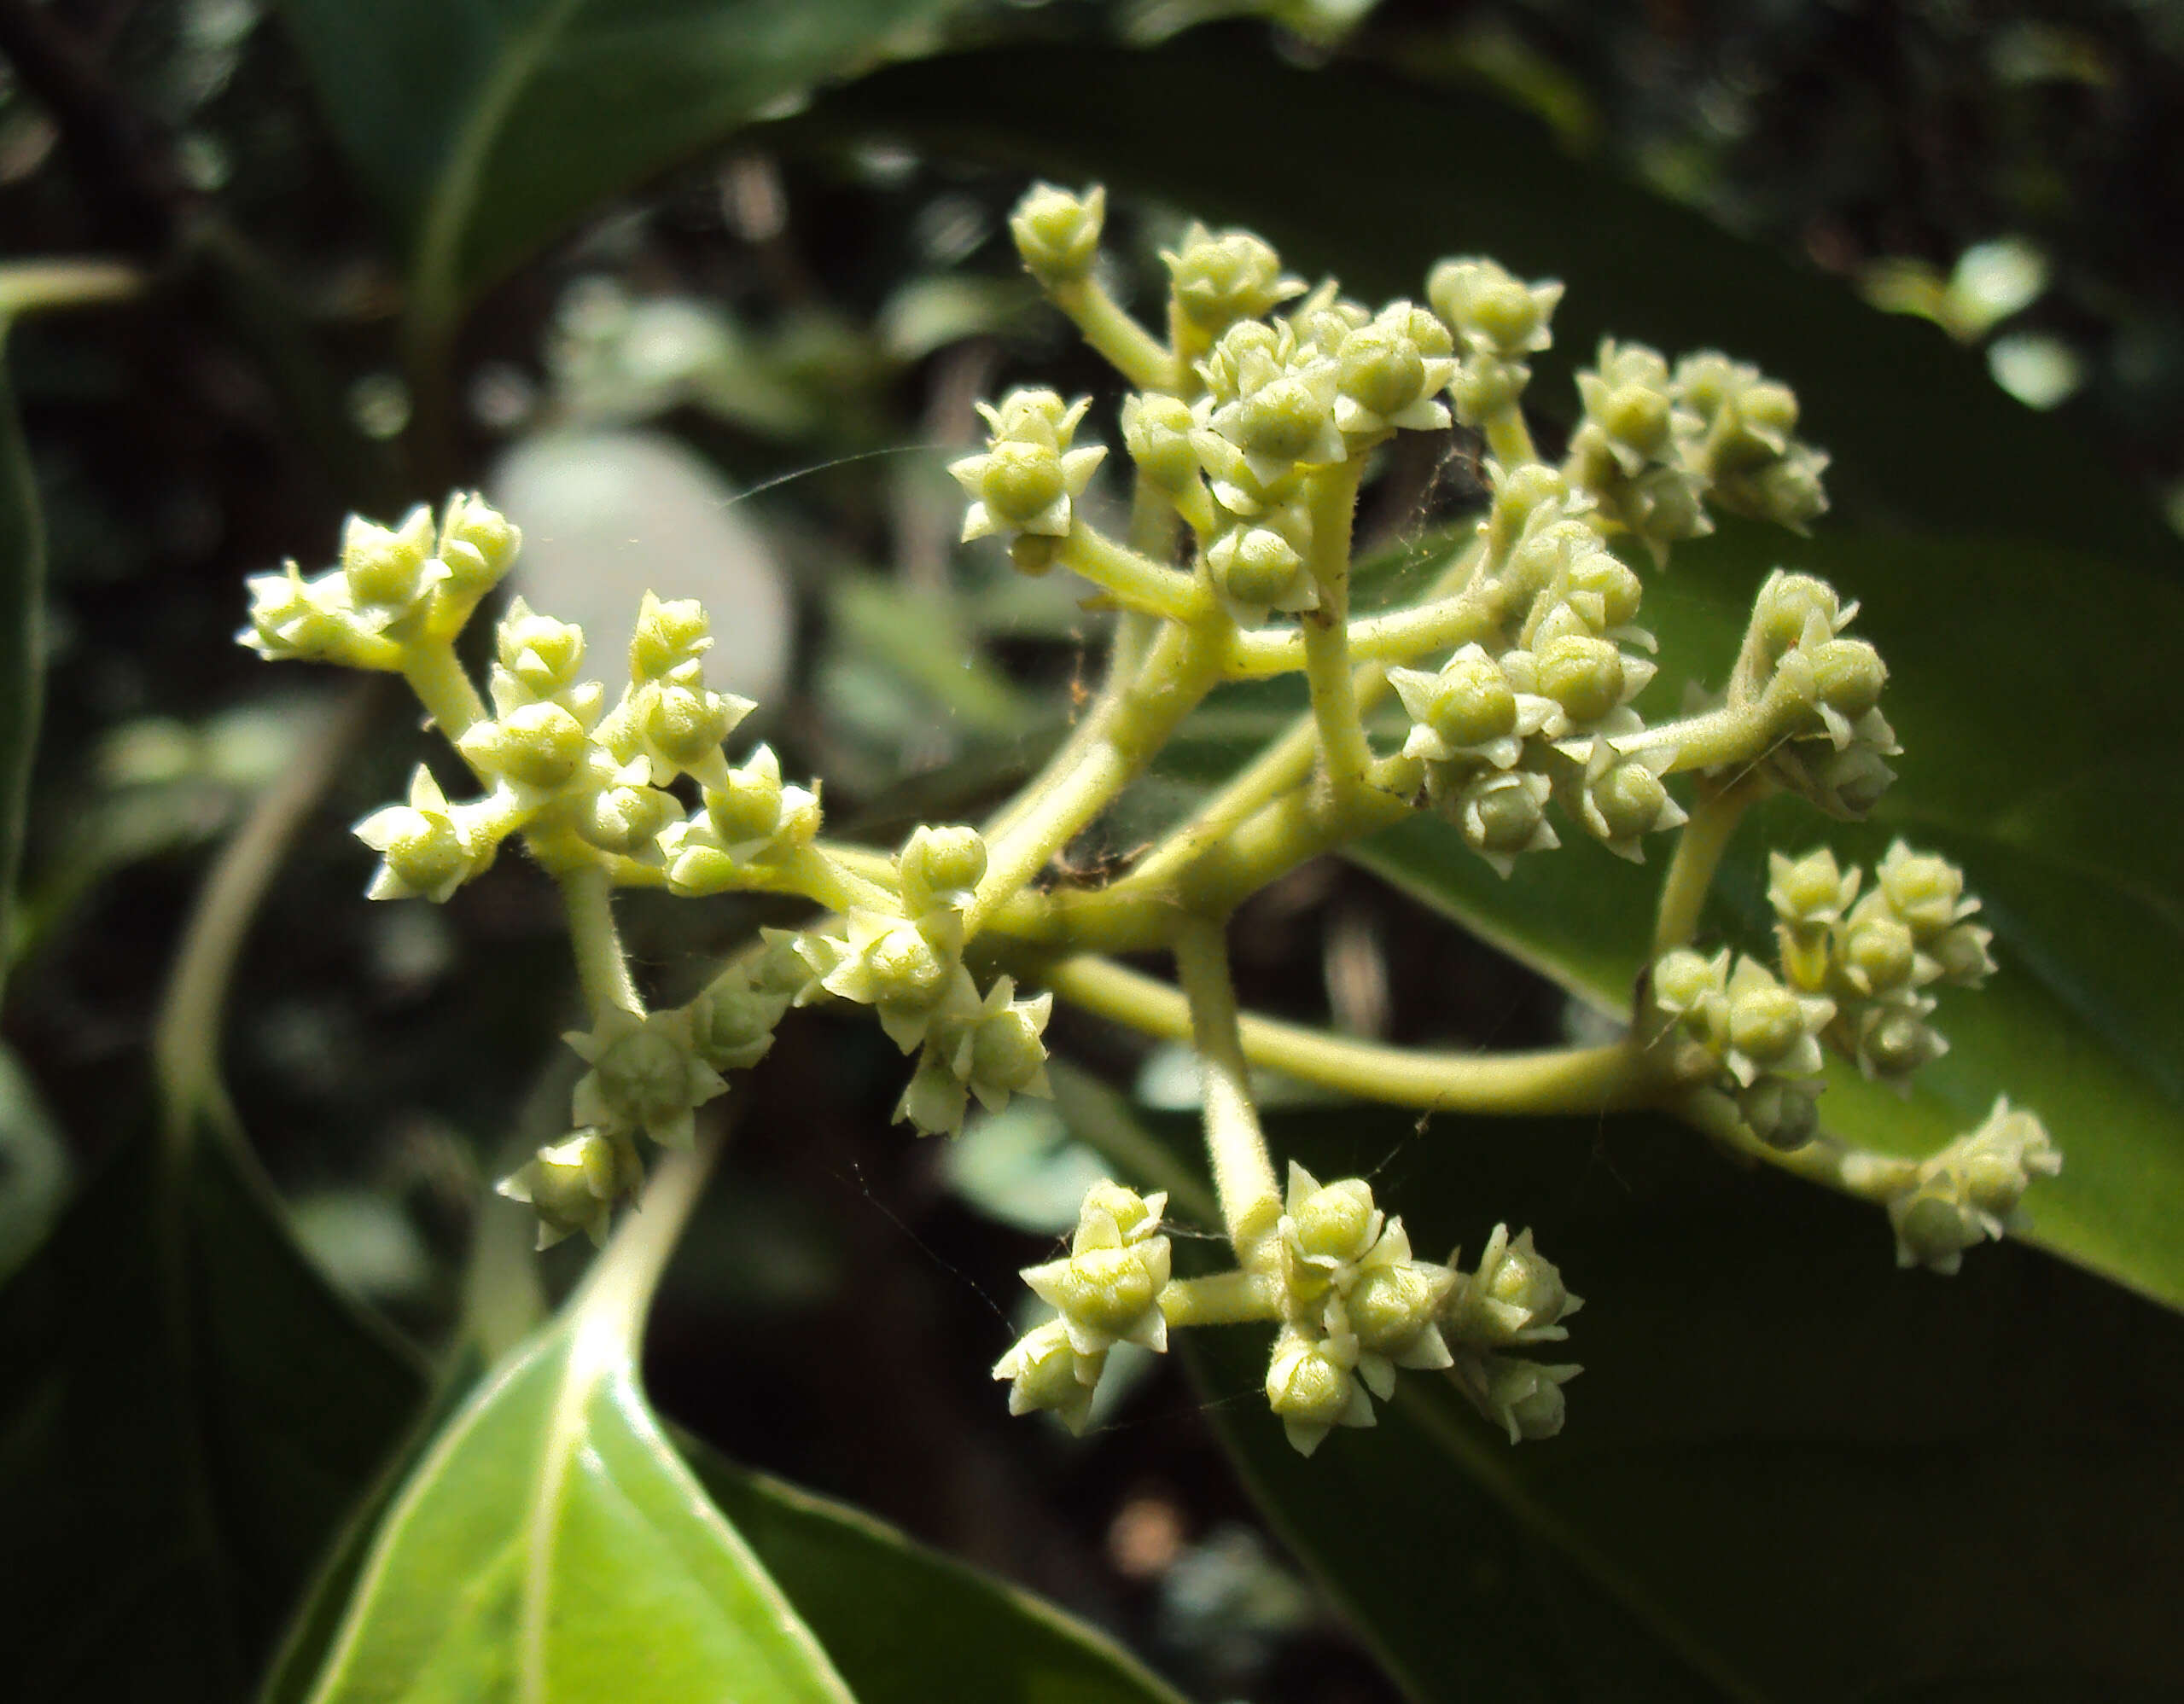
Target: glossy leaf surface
x,y
186,1414
904,1624
485,127
1790,1471
2032,721
550,1546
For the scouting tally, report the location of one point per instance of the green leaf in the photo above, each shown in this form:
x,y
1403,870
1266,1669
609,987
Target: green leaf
x,y
1360,174
550,1546
1790,1472
2032,721
22,645
905,1625
487,127
186,1414
28,286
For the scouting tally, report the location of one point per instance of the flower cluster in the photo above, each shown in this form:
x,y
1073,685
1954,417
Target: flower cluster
x,y
1875,957
1106,1291
391,585
1971,1190
1850,972
1350,1303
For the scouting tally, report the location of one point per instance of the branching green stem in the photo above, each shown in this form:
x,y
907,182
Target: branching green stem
x,y
1135,581
437,676
1344,756
1699,846
1127,346
587,896
1223,1299
1243,1169
1582,1081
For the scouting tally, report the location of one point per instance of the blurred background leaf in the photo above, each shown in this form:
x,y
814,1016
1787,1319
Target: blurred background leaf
x,y
1920,435
485,127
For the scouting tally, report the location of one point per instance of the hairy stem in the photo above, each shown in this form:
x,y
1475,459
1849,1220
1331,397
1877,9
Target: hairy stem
x,y
1135,581
1699,846
588,897
1222,1299
1336,713
437,677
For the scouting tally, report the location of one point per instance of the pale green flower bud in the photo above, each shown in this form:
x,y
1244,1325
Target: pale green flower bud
x,y
1220,279
1503,815
295,620
1135,1217
1586,677
1028,477
1313,1391
1602,590
1326,1228
1782,1112
2000,1159
1045,1373
1849,676
1256,570
1107,1289
1515,1296
1620,800
1156,432
668,636
1523,1396
477,543
940,867
537,748
746,808
1490,310
1894,1040
732,1025
1389,370
390,572
1934,1226
646,1075
426,848
1521,493
627,819
1008,1050
1468,710
1811,892
1393,1308
1788,492
936,1098
573,1185
1963,952
1057,233
1485,384
681,725
541,653
1690,986
1788,608
1925,891
1771,1029
1878,953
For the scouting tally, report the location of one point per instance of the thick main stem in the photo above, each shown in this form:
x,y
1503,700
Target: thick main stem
x,y
1244,1169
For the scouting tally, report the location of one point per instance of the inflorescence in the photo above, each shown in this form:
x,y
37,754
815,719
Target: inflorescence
x,y
1520,672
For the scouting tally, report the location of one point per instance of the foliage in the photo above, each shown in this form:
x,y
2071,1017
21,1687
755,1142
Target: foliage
x,y
1955,1476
